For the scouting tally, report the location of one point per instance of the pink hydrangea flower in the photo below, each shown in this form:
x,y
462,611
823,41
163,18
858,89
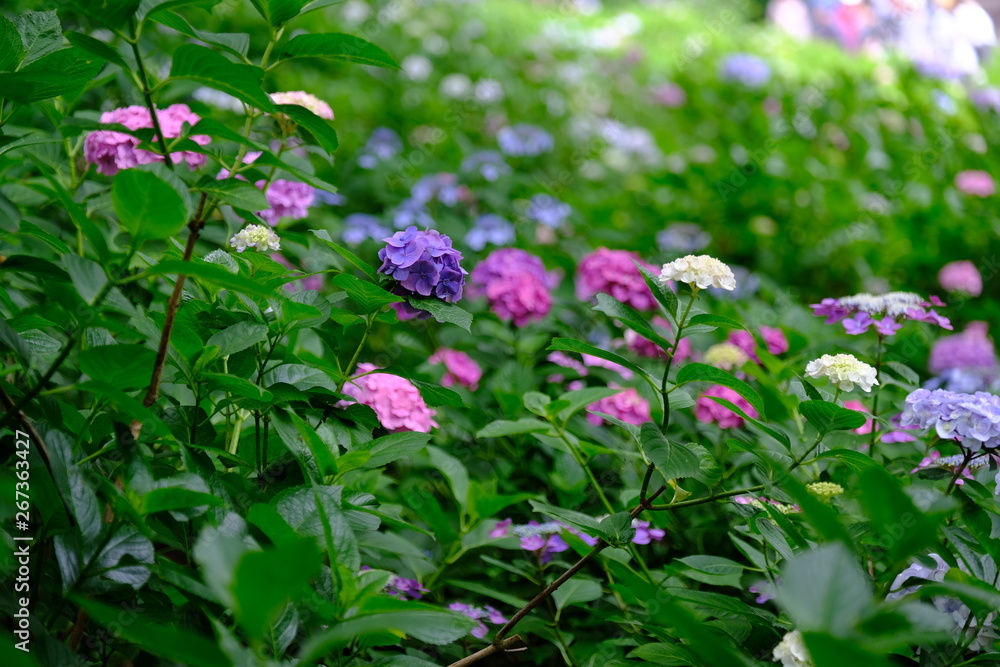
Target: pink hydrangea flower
x,y
976,183
626,405
860,407
113,151
598,362
774,340
516,285
744,340
972,348
613,272
708,411
287,199
460,368
962,276
501,528
395,400
647,348
304,99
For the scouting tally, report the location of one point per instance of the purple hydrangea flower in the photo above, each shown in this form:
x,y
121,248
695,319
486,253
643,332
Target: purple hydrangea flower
x,y
411,212
443,187
383,145
547,210
405,589
524,140
486,612
516,285
488,164
490,229
644,534
971,349
683,238
858,312
749,70
288,199
360,226
973,420
424,263
986,99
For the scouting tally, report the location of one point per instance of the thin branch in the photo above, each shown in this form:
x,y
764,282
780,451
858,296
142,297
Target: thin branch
x,y
514,643
706,499
148,97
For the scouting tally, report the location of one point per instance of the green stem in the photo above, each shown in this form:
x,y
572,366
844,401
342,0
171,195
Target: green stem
x,y
706,499
878,372
369,322
148,97
670,360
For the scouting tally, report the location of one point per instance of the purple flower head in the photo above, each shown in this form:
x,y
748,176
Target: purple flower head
x,y
359,227
405,589
774,339
113,151
490,229
746,69
479,614
287,199
524,140
975,183
644,534
613,272
970,349
986,99
764,591
962,277
542,539
443,187
516,285
460,368
973,420
548,211
488,164
500,530
683,238
383,145
626,405
424,263
886,312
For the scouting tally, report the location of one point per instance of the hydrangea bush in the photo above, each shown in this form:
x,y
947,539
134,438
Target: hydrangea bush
x,y
472,413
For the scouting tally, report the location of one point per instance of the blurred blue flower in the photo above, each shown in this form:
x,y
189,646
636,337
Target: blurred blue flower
x,y
986,98
411,212
548,210
383,144
747,69
361,226
965,380
490,229
488,164
944,102
523,140
330,198
683,238
747,284
444,187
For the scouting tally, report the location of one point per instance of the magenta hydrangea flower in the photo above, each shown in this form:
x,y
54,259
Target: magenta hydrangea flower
x,y
479,614
886,312
647,348
396,401
774,340
971,348
744,340
501,528
644,534
516,285
613,272
962,276
425,264
113,151
597,362
858,406
287,199
627,405
976,183
708,411
405,589
460,368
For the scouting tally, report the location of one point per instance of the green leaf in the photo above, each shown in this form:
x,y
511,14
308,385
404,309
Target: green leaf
x,y
237,44
147,206
96,47
392,447
444,311
661,292
238,337
856,461
88,277
775,433
368,269
577,590
437,396
14,138
277,12
300,376
617,529
232,191
368,296
827,651
454,471
125,366
300,509
712,570
902,529
582,398
111,13
629,317
572,345
672,460
175,498
705,373
503,427
824,590
584,522
337,46
168,641
40,34
666,655
201,64
287,570
212,274
706,319
320,128
11,46
58,73
826,416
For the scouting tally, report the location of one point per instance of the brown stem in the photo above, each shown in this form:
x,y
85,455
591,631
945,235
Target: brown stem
x,y
706,499
513,643
76,632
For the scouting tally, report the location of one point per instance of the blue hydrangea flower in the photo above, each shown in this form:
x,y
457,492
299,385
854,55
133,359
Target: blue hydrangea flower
x,y
972,418
443,187
361,226
488,164
411,212
490,229
683,238
524,140
383,145
424,263
747,284
548,210
749,70
330,198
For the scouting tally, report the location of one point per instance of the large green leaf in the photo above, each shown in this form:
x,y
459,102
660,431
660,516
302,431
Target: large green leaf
x,y
58,73
705,373
125,366
824,590
40,34
661,292
672,460
238,337
320,128
88,277
337,46
369,296
11,46
148,206
278,12
265,581
826,416
234,192
368,269
902,529
201,64
502,427
444,312
576,590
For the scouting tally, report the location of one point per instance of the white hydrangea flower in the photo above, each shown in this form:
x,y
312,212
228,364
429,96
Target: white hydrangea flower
x,y
792,651
843,370
701,270
726,356
304,99
893,304
255,236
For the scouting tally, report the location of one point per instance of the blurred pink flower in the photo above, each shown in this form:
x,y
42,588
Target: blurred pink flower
x,y
396,401
113,151
708,411
774,339
626,405
961,276
976,183
460,368
613,272
860,407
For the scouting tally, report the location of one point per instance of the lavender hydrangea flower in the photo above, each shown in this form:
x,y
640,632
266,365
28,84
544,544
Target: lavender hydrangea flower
x,y
542,539
683,238
987,99
488,164
287,199
405,589
443,187
424,263
516,285
361,226
490,229
524,140
547,210
749,70
411,212
383,145
970,349
971,419
486,612
886,312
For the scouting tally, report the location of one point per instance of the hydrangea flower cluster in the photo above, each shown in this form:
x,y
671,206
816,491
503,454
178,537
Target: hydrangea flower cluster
x,y
516,285
825,490
383,145
749,70
954,464
460,368
859,312
113,151
488,164
613,272
359,227
683,238
411,212
486,612
258,237
727,356
708,411
490,229
304,99
972,419
792,651
976,183
547,210
844,371
524,140
961,276
287,199
971,348
443,187
760,502
396,401
424,263
702,271
542,539
774,340
627,406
